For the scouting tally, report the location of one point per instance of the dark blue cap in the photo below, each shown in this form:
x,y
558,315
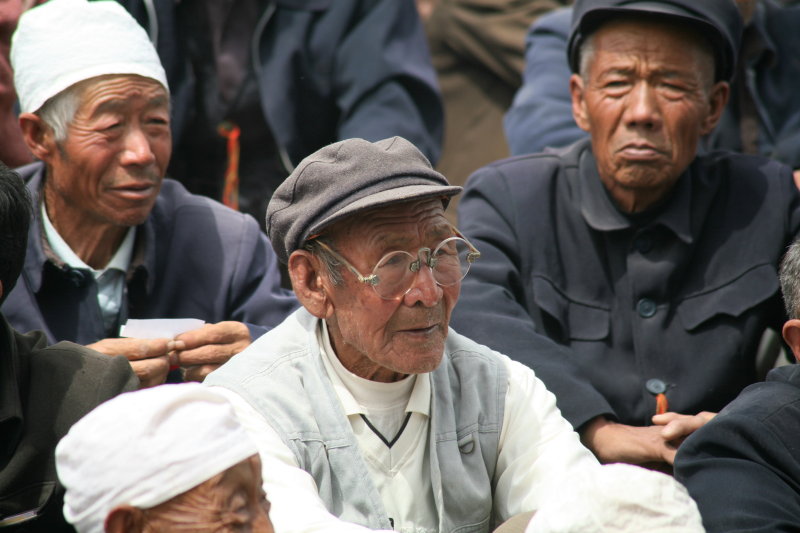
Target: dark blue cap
x,y
719,20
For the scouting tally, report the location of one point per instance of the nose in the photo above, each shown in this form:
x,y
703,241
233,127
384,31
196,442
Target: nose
x,y
643,109
137,148
424,289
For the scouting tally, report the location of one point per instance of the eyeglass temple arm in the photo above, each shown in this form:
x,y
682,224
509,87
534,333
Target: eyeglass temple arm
x,y
474,254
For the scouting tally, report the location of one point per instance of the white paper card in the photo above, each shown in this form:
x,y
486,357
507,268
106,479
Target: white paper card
x,y
157,328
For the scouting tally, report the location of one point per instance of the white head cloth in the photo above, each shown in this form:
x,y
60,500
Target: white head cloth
x,y
63,42
618,498
143,448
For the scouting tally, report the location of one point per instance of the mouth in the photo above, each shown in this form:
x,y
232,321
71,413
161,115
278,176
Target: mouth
x,y
136,191
421,331
640,152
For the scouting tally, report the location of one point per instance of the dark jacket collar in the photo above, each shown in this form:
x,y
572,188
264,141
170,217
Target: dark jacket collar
x,y
601,214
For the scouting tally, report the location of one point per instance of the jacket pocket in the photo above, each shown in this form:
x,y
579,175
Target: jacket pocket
x,y
732,298
580,321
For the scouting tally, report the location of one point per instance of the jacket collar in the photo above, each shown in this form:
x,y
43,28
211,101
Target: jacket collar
x,y
600,213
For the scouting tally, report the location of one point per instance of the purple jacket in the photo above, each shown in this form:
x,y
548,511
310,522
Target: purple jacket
x,y
193,258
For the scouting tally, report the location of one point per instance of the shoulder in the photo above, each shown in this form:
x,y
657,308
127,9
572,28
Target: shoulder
x,y
276,353
742,167
177,211
74,379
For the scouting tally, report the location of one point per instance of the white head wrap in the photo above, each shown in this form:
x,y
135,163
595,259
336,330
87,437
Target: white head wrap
x,y
618,498
63,42
145,447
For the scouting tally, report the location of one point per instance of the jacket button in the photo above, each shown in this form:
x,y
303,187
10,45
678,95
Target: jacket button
x,y
655,386
78,277
643,243
646,307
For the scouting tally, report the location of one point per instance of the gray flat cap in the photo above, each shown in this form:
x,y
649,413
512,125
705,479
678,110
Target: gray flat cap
x,y
346,178
719,20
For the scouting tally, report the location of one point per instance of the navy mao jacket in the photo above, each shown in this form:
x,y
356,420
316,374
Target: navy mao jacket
x,y
193,258
681,294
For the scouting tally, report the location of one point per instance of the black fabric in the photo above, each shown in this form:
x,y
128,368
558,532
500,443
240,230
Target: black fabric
x,y
44,390
683,296
743,467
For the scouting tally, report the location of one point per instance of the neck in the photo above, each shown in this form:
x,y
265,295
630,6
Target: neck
x,y
636,201
95,243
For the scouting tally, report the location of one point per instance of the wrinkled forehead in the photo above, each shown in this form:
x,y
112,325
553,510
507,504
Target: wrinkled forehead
x,y
406,222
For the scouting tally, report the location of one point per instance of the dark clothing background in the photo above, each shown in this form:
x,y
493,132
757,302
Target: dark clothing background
x,y
681,294
322,71
743,467
193,258
43,391
541,114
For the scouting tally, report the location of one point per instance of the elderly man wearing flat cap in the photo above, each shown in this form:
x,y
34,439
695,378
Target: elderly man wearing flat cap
x,y
112,239
367,409
654,267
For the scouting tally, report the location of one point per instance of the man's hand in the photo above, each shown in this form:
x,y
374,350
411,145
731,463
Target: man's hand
x,y
205,349
676,427
653,445
149,358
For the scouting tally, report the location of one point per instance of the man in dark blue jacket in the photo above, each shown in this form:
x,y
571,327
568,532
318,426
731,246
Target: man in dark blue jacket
x,y
656,267
112,238
291,76
743,468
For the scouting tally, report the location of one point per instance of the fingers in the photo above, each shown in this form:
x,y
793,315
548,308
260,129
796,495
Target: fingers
x,y
220,333
212,344
677,427
198,372
136,349
152,371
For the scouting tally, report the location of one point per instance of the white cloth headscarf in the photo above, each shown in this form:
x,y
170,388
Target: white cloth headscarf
x,y
63,42
618,498
143,448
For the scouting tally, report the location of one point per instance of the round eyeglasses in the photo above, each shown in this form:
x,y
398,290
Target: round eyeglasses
x,y
394,275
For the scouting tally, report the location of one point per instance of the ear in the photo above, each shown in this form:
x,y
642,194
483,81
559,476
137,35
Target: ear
x,y
125,519
38,136
577,90
717,100
310,283
791,334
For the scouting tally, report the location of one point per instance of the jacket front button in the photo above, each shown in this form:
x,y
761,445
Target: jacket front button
x,y
646,307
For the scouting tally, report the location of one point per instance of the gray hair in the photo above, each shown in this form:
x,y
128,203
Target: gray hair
x,y
58,111
332,265
789,274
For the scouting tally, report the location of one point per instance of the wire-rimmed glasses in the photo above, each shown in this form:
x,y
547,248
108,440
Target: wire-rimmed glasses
x,y
394,275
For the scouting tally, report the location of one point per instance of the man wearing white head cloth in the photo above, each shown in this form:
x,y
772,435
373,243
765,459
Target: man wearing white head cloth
x,y
113,239
162,459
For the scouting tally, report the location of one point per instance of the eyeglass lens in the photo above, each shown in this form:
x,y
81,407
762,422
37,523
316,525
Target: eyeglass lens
x,y
396,271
